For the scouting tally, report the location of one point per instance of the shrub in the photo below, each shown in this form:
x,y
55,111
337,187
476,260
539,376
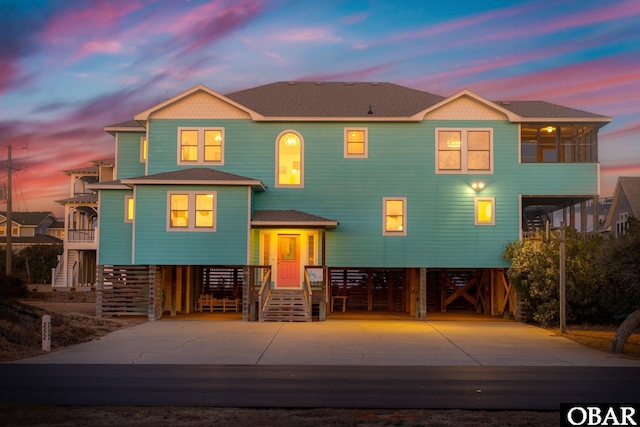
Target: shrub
x,y
535,271
12,287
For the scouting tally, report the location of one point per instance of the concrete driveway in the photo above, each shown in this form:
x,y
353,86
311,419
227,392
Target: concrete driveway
x,y
341,340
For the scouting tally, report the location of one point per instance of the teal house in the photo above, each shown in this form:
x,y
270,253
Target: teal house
x,y
300,200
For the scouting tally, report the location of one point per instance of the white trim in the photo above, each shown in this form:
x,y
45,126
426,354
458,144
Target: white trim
x,y
476,200
277,165
366,143
115,166
513,117
249,228
145,114
200,147
464,152
191,211
385,232
133,229
519,216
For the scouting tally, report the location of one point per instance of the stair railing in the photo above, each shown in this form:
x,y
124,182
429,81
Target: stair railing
x,y
55,271
263,293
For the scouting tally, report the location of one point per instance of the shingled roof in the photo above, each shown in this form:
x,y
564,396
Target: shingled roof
x,y
196,176
542,109
332,99
280,218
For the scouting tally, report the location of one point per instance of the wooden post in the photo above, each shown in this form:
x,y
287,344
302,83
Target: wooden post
x,y
422,294
46,332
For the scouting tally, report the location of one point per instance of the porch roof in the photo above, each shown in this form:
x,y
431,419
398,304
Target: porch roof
x,y
197,176
80,199
290,218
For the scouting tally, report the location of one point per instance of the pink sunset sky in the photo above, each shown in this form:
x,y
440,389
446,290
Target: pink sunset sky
x,y
70,67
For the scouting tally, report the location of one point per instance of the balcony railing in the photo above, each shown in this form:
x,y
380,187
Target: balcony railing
x,y
80,236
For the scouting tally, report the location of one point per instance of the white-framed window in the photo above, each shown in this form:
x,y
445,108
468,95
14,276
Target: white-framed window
x,y
290,159
622,224
356,143
464,150
129,208
200,146
144,149
394,216
191,211
485,210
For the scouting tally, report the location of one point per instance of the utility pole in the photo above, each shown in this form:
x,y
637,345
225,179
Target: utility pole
x,y
563,287
9,224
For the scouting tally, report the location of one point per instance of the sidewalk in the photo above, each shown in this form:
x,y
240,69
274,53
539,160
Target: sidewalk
x,y
372,341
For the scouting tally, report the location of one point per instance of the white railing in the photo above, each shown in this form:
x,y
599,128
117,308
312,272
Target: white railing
x,y
55,271
78,235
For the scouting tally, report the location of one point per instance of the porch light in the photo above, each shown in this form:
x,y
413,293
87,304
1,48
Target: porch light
x,y
477,186
550,129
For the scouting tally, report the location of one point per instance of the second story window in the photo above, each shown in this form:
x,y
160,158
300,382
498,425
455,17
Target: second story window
x,y
201,146
355,142
143,149
289,160
464,151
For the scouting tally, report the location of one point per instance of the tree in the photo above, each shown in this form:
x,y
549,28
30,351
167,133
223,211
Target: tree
x,y
619,261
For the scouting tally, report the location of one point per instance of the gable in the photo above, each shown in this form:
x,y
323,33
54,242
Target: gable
x,y
465,108
200,105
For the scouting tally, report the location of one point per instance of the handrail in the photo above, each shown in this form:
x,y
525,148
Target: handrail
x,y
262,299
81,235
55,271
308,293
74,273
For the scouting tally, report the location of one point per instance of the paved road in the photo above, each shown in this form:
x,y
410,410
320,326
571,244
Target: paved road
x,y
490,388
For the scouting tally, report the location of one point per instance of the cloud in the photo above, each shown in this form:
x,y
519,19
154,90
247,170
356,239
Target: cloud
x,y
348,76
306,35
355,18
613,11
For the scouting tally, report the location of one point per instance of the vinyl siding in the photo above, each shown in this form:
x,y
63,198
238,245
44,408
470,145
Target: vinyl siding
x,y
441,232
128,159
115,234
155,245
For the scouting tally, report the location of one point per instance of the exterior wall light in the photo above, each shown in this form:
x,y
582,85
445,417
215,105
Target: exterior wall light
x,y
477,186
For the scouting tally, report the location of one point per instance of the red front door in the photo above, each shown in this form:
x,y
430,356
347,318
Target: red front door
x,y
288,260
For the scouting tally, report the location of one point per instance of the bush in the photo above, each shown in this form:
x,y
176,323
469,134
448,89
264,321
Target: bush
x,y
535,272
12,287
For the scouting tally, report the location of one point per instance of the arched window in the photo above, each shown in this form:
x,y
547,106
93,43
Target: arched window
x,y
289,160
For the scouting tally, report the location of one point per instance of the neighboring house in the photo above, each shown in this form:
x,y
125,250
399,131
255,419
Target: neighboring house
x,y
77,264
395,199
625,204
28,229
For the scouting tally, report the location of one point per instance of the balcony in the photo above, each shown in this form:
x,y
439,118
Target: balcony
x,y
82,238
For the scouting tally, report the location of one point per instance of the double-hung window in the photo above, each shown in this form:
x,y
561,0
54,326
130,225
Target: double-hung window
x,y
191,211
356,143
464,150
200,146
394,216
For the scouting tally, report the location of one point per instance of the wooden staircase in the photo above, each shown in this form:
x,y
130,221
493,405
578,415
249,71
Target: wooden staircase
x,y
286,305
